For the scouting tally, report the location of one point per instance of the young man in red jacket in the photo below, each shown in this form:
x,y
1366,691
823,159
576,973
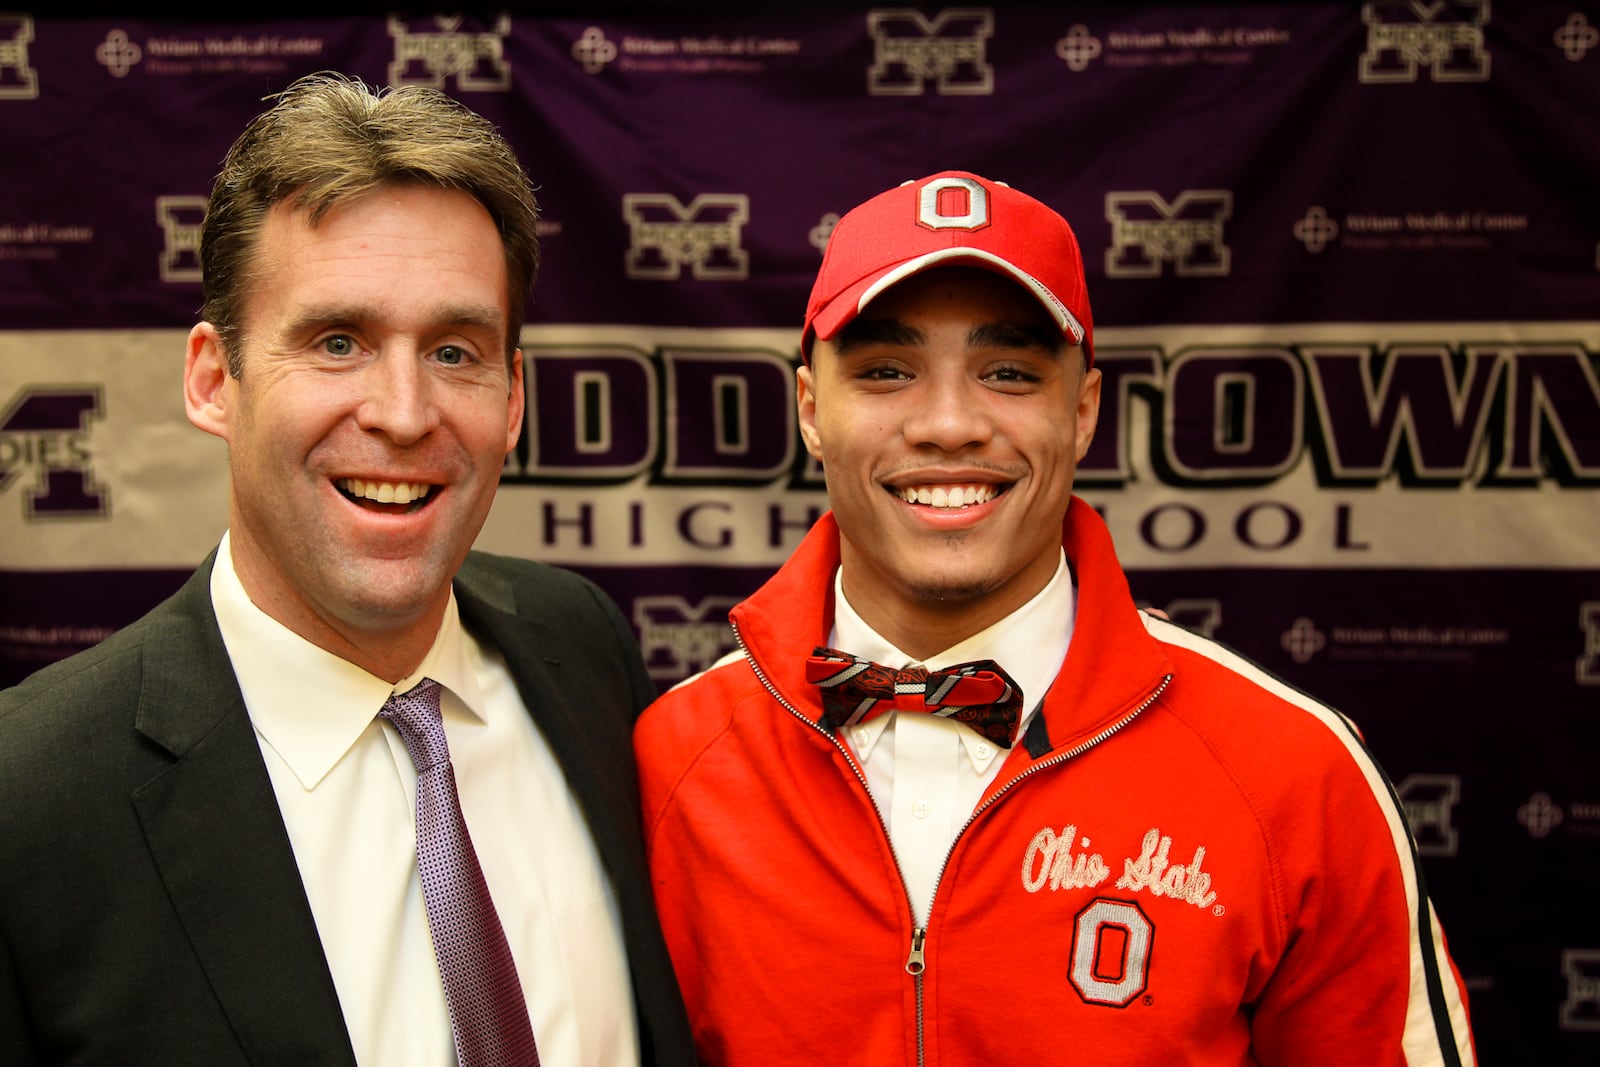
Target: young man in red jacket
x,y
957,801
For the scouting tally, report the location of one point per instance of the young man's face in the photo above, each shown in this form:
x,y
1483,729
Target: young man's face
x,y
368,428
949,419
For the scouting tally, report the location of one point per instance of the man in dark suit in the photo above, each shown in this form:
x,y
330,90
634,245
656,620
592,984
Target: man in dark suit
x,y
207,846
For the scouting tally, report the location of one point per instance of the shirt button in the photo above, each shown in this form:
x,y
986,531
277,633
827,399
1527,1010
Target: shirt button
x,y
920,809
862,737
982,750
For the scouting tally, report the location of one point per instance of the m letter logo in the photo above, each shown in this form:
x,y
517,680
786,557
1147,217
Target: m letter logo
x,y
180,218
1589,661
432,56
1147,232
1407,36
45,429
679,639
18,80
1430,801
909,51
706,236
1581,1010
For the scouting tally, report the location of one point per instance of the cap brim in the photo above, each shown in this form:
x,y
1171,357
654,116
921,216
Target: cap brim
x,y
852,301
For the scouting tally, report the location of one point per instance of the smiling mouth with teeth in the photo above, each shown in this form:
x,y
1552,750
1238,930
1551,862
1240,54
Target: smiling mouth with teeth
x,y
948,496
411,493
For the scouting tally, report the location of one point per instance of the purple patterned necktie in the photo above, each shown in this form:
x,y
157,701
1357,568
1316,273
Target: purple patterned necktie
x,y
487,1012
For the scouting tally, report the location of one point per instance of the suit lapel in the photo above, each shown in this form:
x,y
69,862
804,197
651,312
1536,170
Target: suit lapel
x,y
561,656
602,783
212,824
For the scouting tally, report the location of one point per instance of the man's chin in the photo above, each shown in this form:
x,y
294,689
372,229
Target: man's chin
x,y
952,589
388,594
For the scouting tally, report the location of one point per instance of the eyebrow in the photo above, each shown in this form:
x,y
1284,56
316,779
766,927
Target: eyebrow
x,y
459,316
1007,334
862,332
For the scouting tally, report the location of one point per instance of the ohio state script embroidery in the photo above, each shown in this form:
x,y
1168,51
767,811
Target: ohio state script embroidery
x,y
1050,861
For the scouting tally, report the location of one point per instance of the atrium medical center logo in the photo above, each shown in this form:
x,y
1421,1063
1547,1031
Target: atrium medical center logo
x,y
442,52
1451,643
692,54
1407,41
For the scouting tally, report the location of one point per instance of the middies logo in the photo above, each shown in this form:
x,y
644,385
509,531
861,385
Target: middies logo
x,y
45,428
910,51
1189,233
1430,801
180,219
477,61
678,638
705,236
1581,1009
18,79
1405,37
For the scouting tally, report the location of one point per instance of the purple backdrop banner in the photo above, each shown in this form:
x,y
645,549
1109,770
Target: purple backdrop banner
x,y
1345,267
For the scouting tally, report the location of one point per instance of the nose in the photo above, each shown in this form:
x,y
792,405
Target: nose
x,y
399,399
949,414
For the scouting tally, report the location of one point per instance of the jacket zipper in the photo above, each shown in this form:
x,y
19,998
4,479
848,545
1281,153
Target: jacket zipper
x,y
840,745
916,963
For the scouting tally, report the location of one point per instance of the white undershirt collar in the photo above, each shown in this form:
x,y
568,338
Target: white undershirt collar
x,y
309,704
1029,644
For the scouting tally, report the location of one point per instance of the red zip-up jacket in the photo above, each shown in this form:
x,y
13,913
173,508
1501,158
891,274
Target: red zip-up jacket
x,y
1183,861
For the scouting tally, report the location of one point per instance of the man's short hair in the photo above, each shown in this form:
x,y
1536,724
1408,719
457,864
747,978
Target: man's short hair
x,y
329,140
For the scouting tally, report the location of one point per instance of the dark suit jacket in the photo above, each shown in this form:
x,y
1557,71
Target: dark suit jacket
x,y
151,911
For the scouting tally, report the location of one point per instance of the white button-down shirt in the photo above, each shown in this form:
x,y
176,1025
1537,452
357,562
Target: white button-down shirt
x,y
927,773
347,790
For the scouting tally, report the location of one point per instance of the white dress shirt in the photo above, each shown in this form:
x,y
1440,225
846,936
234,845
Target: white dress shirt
x,y
347,790
926,773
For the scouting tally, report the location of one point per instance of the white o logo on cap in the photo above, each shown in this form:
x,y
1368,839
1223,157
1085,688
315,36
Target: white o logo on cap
x,y
977,215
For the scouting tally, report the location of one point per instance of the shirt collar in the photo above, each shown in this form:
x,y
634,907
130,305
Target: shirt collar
x,y
1030,644
308,704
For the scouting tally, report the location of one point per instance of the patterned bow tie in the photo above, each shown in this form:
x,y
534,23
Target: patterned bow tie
x,y
977,694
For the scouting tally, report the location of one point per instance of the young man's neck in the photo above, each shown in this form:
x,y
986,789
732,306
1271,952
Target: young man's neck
x,y
923,627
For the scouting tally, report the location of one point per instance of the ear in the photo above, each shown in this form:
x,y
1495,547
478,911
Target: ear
x,y
517,401
1088,409
207,386
805,399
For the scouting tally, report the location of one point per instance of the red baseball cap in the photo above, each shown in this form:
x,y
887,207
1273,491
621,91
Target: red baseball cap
x,y
948,218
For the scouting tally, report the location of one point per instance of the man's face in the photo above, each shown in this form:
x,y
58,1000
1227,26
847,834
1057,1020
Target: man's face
x,y
949,419
368,428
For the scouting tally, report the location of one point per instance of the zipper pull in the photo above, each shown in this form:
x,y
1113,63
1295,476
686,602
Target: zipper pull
x,y
914,963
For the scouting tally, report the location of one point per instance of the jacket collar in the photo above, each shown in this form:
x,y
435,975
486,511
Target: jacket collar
x,y
212,825
1112,668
